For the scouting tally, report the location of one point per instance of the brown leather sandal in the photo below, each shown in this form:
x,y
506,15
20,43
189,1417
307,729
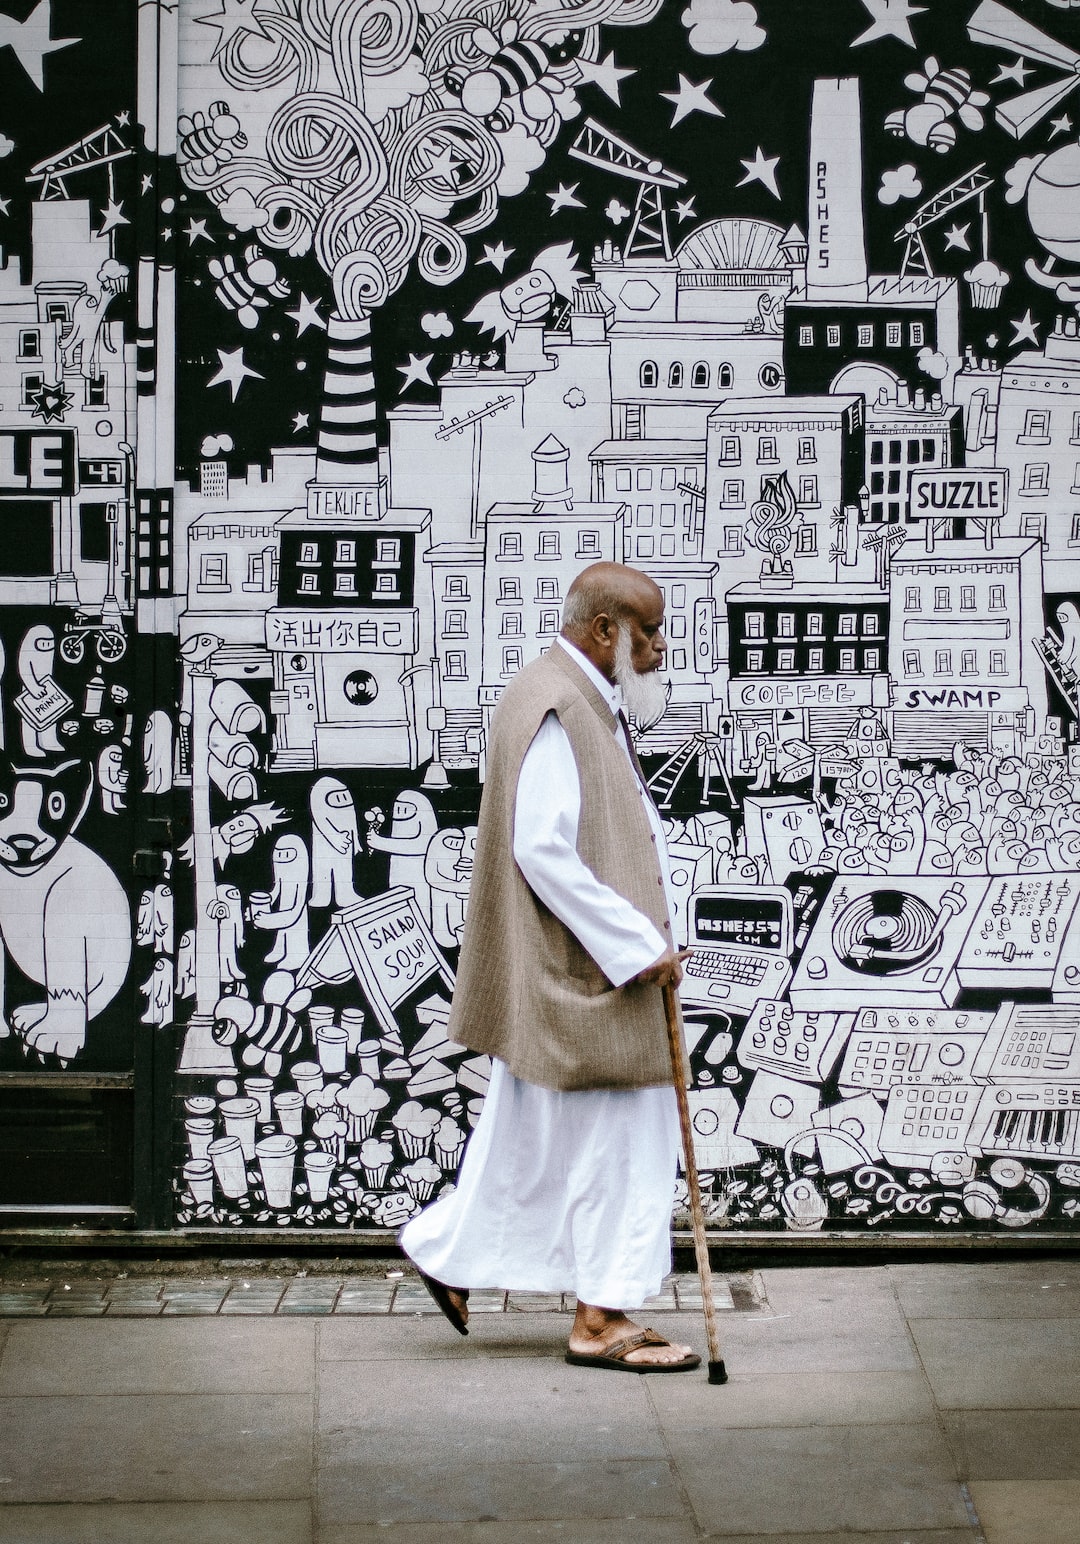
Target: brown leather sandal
x,y
614,1358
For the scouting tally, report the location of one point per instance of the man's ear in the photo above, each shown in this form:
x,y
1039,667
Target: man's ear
x,y
602,629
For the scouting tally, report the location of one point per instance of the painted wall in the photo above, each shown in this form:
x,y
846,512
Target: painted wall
x,y
335,339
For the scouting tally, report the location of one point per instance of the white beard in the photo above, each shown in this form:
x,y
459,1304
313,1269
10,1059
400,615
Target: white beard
x,y
645,696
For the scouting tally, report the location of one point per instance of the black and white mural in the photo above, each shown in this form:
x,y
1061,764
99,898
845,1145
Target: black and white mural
x,y
335,343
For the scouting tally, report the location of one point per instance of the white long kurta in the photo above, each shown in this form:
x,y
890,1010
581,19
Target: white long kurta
x,y
564,1191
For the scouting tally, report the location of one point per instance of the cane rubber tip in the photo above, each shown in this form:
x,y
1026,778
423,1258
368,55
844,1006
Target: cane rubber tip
x,y
717,1372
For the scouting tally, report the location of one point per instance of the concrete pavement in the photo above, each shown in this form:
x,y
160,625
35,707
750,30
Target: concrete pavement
x,y
927,1403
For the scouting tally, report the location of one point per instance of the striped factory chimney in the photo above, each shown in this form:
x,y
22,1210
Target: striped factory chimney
x,y
348,425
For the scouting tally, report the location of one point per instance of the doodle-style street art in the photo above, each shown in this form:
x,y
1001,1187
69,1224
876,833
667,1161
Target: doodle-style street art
x,y
336,339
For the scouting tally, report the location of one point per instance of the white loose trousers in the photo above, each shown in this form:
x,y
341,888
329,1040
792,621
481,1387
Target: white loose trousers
x,y
558,1192
564,1191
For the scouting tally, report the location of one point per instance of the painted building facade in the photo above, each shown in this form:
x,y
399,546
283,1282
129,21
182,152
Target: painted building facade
x,y
317,391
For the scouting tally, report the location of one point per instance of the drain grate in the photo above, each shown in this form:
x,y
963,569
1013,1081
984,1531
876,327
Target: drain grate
x,y
144,1297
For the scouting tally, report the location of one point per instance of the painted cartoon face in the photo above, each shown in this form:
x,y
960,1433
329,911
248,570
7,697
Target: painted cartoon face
x,y
286,853
239,833
528,297
37,811
339,799
444,855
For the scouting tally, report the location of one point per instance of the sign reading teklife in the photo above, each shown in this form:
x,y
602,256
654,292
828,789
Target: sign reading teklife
x,y
40,461
979,494
342,632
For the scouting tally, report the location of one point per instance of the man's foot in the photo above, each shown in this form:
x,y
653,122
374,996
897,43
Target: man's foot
x,y
460,1300
597,1332
454,1301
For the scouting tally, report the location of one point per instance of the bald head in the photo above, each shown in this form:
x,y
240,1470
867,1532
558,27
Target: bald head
x,y
606,598
610,589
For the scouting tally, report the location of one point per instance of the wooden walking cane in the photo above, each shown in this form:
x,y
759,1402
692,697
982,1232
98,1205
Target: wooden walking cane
x,y
717,1370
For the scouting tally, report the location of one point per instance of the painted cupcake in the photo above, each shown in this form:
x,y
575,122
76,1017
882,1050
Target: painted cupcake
x,y
415,1127
375,1158
360,1102
449,1140
420,1178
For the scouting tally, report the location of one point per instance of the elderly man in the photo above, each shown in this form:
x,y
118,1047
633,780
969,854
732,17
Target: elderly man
x,y
568,1180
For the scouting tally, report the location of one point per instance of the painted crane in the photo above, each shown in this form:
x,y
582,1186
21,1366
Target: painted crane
x,y
649,232
972,185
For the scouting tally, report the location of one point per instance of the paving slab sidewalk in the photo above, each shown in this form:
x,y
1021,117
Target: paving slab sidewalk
x,y
892,1404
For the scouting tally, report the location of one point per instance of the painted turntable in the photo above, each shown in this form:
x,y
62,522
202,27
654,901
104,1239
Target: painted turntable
x,y
894,944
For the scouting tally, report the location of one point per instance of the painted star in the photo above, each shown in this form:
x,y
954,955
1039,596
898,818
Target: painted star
x,y
194,229
147,182
1025,329
417,370
5,205
1062,125
691,98
233,370
124,118
498,255
606,74
565,198
306,315
235,16
50,403
1017,73
29,41
957,236
890,19
442,163
684,209
300,421
112,216
761,168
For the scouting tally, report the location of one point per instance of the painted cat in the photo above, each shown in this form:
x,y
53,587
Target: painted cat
x,y
64,918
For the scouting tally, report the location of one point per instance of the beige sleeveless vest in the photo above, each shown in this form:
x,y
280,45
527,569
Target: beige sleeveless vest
x,y
527,992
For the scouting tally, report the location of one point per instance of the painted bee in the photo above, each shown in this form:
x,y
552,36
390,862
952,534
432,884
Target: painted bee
x,y
945,94
207,143
515,73
238,288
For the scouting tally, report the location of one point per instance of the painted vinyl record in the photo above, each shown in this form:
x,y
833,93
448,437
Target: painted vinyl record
x,y
886,933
